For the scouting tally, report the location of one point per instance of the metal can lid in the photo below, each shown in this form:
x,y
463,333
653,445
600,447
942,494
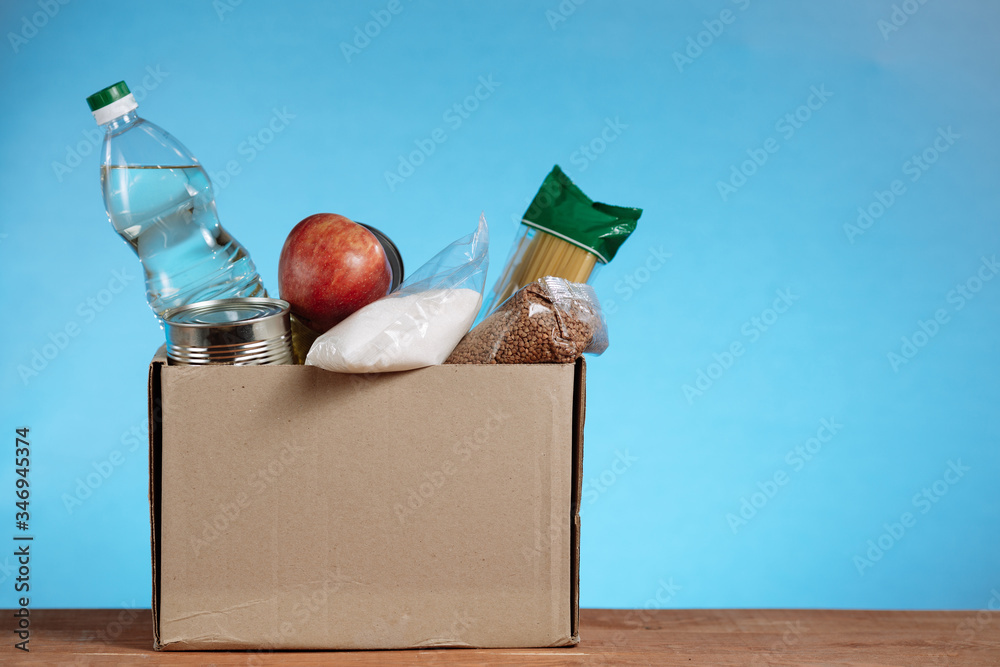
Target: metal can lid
x,y
227,321
392,254
221,312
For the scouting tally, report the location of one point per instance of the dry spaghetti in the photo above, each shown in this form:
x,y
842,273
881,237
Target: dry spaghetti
x,y
564,234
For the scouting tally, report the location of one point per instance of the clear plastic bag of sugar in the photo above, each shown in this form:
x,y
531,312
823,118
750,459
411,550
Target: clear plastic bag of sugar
x,y
417,325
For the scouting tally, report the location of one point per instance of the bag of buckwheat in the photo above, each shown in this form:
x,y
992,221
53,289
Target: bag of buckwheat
x,y
551,320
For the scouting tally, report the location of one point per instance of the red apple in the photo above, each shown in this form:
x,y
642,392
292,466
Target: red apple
x,y
330,267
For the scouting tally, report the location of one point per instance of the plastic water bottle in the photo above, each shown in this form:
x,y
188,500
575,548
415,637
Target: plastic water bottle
x,y
160,200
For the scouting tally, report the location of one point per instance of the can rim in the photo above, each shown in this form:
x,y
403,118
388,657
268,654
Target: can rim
x,y
392,254
216,305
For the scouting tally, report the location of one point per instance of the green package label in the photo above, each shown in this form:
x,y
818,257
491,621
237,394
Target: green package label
x,y
561,209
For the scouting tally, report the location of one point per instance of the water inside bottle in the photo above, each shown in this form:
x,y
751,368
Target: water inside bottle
x,y
167,215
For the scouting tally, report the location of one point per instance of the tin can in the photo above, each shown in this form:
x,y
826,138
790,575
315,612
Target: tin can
x,y
238,331
391,253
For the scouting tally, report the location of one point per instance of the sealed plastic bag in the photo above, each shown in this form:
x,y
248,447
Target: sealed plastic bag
x,y
549,320
417,325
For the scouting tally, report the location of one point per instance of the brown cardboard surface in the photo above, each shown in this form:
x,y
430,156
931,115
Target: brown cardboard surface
x,y
297,508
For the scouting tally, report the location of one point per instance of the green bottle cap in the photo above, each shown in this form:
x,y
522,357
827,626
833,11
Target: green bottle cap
x,y
103,98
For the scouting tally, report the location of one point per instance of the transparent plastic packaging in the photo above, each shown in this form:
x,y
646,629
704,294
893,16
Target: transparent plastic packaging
x,y
417,325
160,201
535,254
551,320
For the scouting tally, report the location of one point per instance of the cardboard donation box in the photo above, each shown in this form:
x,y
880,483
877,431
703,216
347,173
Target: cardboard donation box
x,y
294,508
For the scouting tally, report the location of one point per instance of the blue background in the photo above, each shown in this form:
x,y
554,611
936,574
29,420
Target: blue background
x,y
667,469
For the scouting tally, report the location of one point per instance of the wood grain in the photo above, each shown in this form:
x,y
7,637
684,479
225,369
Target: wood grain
x,y
609,637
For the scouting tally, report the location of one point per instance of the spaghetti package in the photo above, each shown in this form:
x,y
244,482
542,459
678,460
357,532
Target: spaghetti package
x,y
564,234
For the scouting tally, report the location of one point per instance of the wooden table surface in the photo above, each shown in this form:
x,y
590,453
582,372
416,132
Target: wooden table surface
x,y
609,637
